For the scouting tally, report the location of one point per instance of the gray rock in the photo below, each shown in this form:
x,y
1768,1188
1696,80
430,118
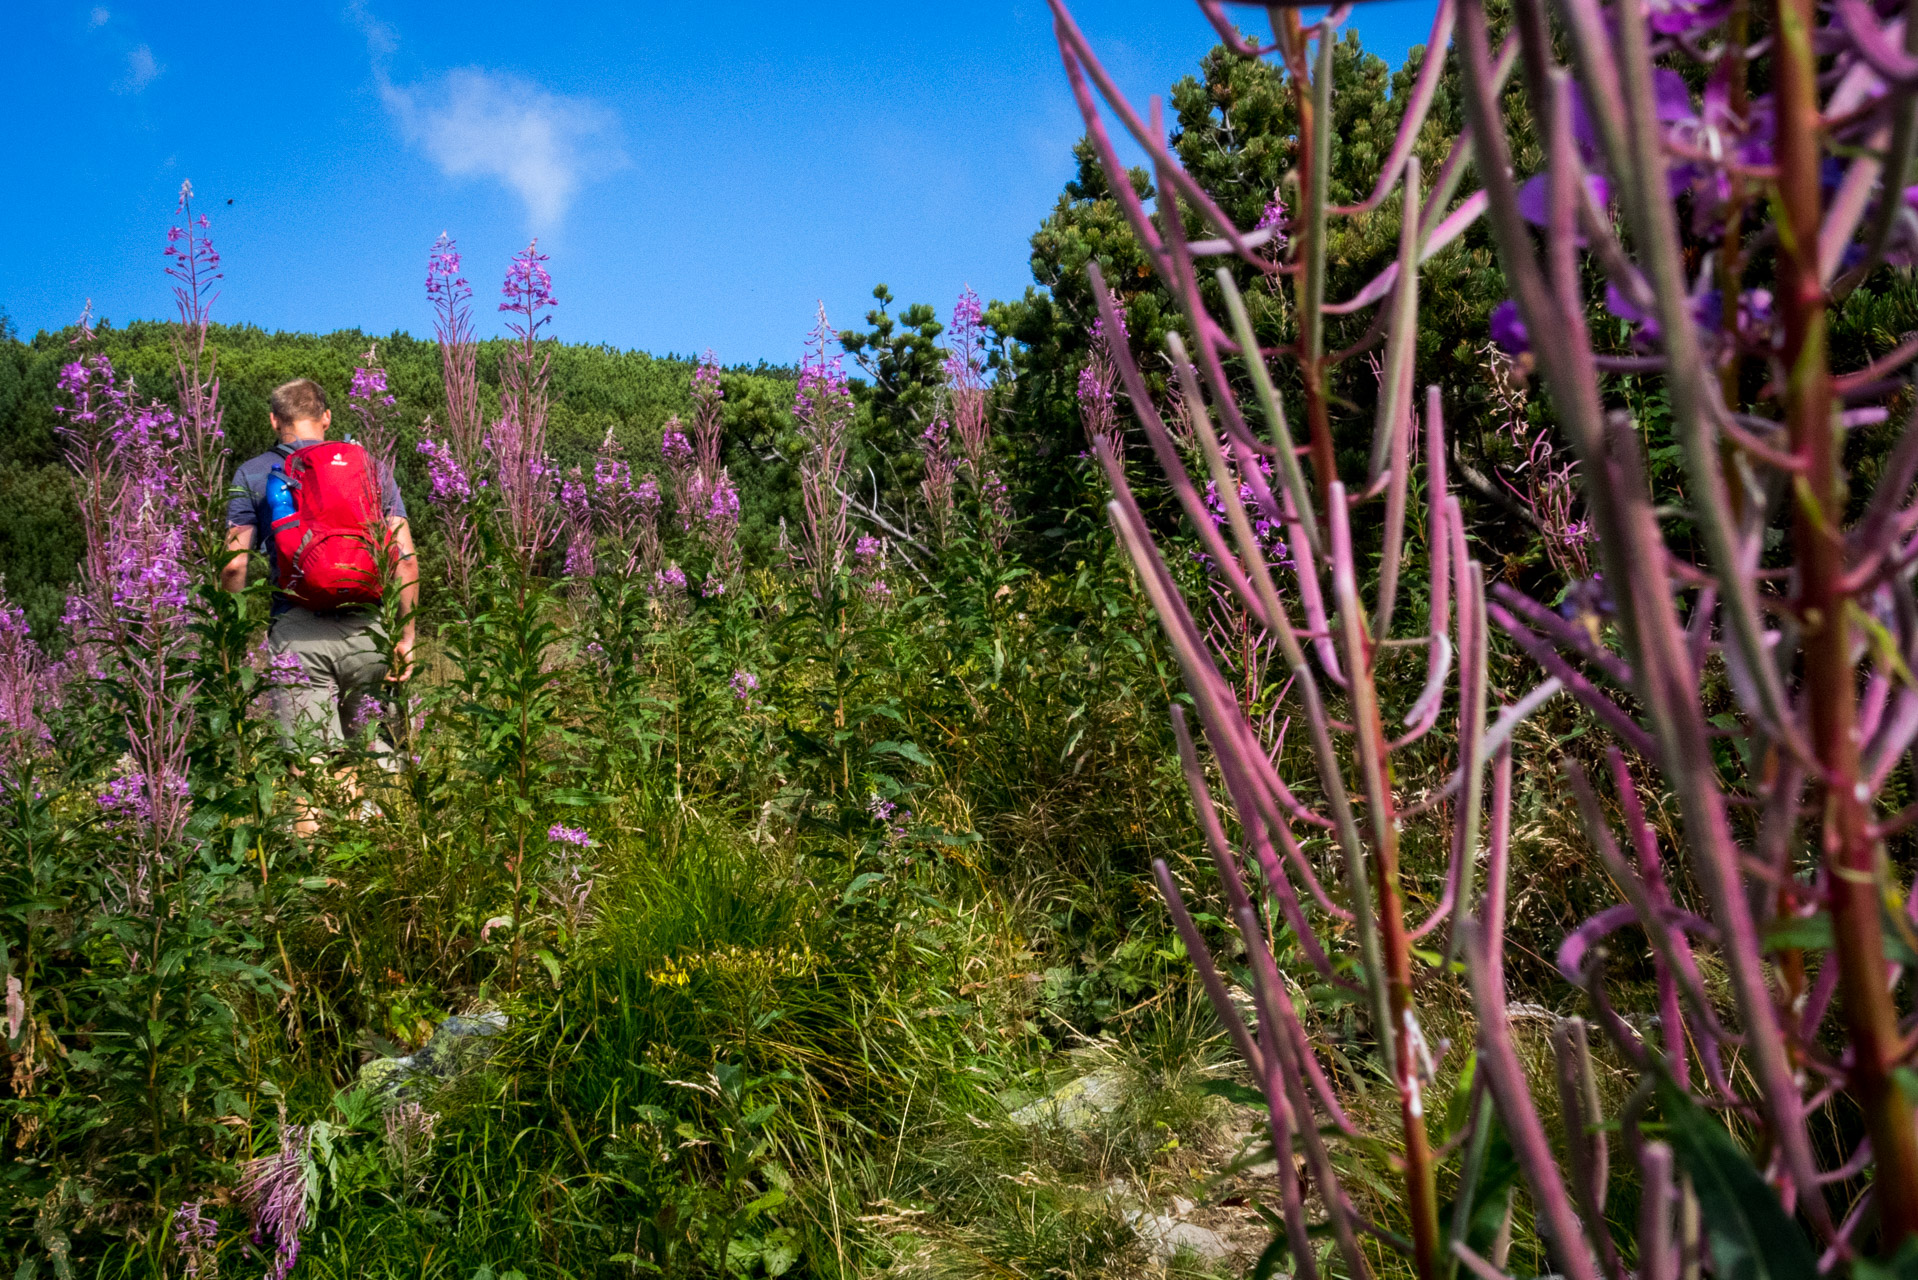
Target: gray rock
x,y
1077,1105
1167,1237
459,1044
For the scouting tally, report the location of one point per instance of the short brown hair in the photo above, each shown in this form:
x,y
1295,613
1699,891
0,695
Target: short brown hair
x,y
299,399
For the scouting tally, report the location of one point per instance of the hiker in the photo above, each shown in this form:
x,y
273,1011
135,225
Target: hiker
x,y
316,509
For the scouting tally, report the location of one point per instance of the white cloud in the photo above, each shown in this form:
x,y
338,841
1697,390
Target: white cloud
x,y
98,18
142,70
477,123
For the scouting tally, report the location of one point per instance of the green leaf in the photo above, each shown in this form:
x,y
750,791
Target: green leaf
x,y
1275,1253
771,1200
578,799
1800,933
1751,1235
1233,1091
861,882
552,964
904,750
779,1250
1902,1265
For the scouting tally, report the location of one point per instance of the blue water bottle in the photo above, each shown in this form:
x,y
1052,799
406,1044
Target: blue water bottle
x,y
279,497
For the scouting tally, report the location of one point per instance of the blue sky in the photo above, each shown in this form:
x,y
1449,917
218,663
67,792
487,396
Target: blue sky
x,y
701,174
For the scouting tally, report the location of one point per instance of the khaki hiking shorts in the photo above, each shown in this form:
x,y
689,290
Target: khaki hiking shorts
x,y
343,670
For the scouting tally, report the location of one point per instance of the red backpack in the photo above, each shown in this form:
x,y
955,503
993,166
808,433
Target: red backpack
x,y
324,547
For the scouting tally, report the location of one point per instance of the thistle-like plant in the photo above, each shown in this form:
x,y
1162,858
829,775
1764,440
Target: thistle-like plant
x,y
27,686
516,445
194,265
937,487
822,409
278,1189
452,301
453,459
966,381
1099,384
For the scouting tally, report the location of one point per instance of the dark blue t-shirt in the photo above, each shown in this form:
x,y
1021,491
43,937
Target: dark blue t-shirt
x,y
249,497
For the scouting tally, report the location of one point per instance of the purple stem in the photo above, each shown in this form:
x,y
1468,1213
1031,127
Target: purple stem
x,y
1505,1075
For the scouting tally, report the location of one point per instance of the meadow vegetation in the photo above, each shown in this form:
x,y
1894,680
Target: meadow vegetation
x,y
782,860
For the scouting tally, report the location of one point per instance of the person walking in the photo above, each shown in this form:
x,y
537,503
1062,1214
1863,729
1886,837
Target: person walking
x,y
326,515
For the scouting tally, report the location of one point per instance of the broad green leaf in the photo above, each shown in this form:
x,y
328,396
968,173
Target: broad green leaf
x,y
906,750
1902,1265
1232,1091
861,882
1751,1235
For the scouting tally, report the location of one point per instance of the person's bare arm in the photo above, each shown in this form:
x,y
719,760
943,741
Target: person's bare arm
x,y
239,540
407,570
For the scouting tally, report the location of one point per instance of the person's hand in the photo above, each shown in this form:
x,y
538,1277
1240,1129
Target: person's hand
x,y
402,668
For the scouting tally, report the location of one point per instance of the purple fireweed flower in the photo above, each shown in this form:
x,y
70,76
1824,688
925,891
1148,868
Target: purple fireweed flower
x,y
744,684
965,369
674,447
194,1234
721,529
194,266
1098,398
713,587
706,379
24,680
1685,17
366,712
369,385
942,470
822,386
823,409
277,1190
868,549
670,580
452,301
522,473
560,833
723,503
128,800
371,404
1274,219
285,670
527,291
447,479
996,501
576,505
1266,530
891,815
443,278
1508,330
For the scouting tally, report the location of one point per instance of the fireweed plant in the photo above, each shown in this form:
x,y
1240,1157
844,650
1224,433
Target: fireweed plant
x,y
1724,172
130,938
